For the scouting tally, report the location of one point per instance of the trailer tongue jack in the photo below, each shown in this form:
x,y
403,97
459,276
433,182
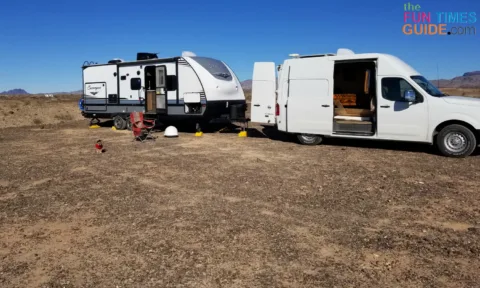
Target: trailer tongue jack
x,y
198,130
94,122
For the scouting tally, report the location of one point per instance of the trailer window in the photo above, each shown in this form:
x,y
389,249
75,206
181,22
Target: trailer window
x,y
135,83
215,67
161,76
171,82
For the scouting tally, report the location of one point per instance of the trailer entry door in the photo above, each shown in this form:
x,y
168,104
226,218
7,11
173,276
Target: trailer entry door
x,y
156,89
161,90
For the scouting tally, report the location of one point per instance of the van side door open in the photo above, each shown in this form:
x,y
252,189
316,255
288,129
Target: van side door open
x,y
310,96
402,110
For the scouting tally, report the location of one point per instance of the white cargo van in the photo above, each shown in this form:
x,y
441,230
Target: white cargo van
x,y
367,96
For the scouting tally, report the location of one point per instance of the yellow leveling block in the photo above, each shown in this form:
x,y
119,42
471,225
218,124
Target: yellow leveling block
x,y
198,134
113,128
242,134
94,126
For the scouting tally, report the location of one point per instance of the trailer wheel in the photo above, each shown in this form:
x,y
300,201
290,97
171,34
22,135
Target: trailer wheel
x,y
309,139
456,141
119,123
129,125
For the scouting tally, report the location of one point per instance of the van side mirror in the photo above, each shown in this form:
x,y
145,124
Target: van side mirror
x,y
409,96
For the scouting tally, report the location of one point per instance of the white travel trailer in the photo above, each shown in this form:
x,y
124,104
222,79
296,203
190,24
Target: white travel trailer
x,y
179,88
367,96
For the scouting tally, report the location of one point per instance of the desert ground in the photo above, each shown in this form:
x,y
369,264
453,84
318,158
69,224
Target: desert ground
x,y
225,211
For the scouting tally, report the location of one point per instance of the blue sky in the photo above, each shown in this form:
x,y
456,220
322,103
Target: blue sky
x,y
44,43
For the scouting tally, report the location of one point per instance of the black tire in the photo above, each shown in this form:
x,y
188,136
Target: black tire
x,y
456,141
119,123
309,139
129,125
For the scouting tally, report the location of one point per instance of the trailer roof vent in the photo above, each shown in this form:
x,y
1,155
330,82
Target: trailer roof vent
x,y
146,56
115,61
188,54
344,51
294,55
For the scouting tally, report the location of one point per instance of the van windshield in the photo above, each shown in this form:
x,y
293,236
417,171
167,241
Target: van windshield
x,y
215,67
427,86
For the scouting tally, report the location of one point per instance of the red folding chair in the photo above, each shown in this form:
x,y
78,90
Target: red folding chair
x,y
141,128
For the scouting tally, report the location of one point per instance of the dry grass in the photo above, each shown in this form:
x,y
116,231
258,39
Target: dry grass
x,y
248,95
25,110
462,92
37,121
64,117
224,211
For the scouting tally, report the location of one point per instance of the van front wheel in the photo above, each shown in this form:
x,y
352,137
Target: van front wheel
x,y
456,141
309,139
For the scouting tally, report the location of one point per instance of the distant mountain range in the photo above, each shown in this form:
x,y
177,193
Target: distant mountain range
x,y
467,80
19,91
247,84
14,92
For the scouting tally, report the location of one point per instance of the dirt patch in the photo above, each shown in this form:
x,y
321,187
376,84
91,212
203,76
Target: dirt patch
x,y
224,211
18,111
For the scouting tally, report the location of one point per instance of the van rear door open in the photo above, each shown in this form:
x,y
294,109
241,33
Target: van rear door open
x,y
310,97
263,93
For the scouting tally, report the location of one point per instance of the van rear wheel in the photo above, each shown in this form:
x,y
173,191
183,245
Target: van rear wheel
x,y
456,141
309,139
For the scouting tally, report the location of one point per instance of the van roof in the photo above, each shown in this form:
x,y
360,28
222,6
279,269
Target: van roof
x,y
392,61
334,56
316,55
